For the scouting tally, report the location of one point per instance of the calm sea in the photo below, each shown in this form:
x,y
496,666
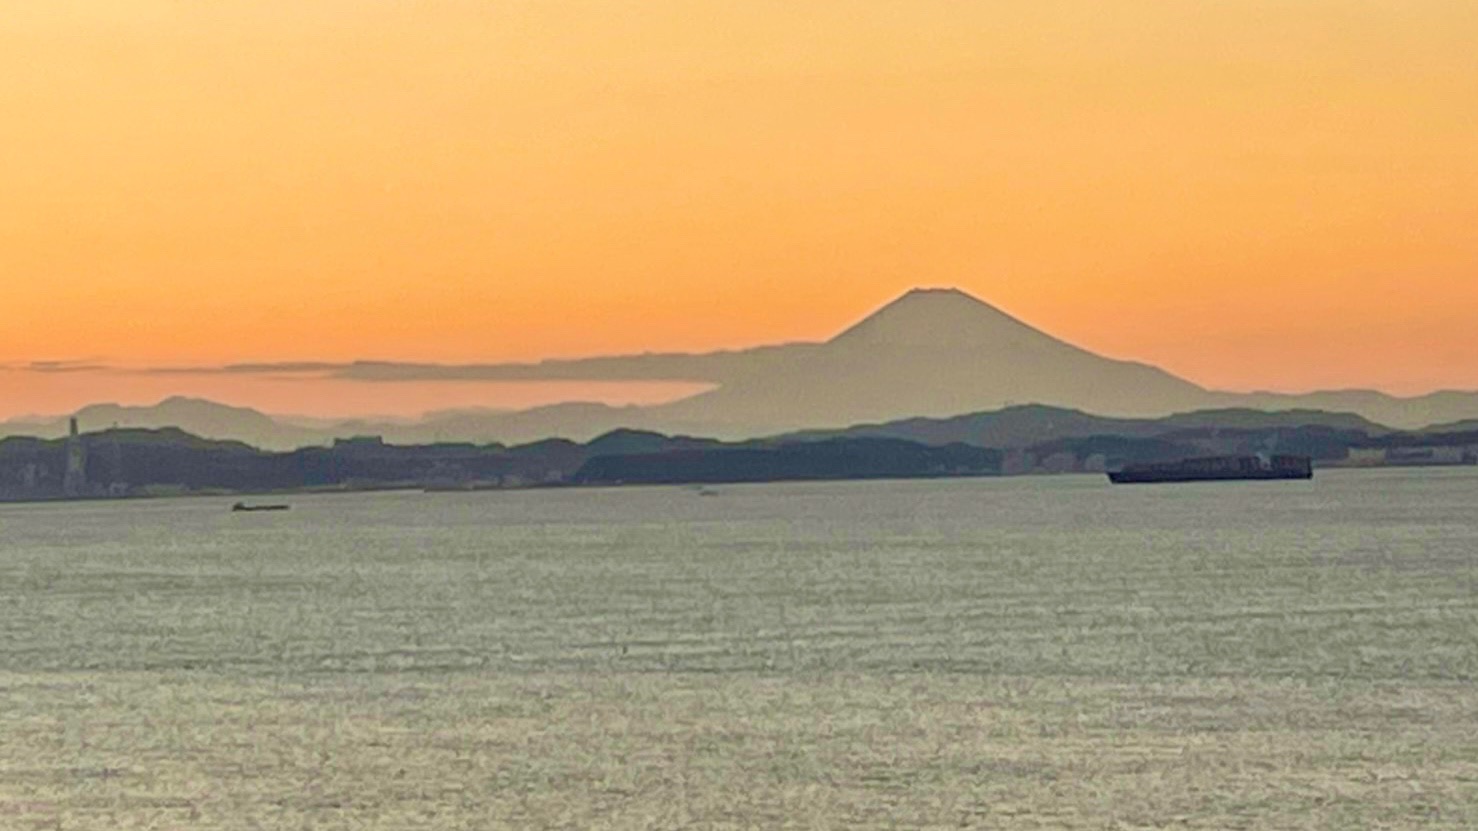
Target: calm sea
x,y
1027,652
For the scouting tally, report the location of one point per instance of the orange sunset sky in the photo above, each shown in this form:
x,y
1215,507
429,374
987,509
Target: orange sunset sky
x,y
1277,194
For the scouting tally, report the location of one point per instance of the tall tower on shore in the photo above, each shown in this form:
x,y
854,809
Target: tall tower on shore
x,y
74,483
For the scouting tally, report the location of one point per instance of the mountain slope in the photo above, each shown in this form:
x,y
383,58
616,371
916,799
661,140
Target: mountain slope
x,y
932,353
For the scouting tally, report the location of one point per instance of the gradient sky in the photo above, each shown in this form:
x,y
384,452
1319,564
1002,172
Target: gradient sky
x,y
1278,194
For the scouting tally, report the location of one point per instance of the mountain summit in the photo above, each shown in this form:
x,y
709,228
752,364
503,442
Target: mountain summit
x,y
934,352
944,318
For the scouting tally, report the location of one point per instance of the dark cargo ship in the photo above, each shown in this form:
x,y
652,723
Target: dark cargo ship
x,y
1216,469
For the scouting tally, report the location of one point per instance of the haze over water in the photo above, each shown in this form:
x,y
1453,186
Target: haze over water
x,y
1045,652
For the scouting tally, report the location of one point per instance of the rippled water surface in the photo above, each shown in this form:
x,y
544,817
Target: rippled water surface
x,y
1039,652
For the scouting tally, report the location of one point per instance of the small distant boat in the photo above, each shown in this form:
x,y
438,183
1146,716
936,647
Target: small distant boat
x,y
243,507
1217,469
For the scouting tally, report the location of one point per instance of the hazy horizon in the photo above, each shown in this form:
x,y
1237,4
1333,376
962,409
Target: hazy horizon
x,y
388,388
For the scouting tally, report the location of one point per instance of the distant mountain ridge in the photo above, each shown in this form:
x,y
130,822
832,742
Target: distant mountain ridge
x,y
206,419
929,354
1034,424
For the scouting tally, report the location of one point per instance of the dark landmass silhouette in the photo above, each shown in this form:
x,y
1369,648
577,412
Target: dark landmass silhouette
x,y
1028,425
932,353
133,462
129,462
791,461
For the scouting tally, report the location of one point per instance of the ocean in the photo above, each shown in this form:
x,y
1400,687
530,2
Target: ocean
x,y
1042,652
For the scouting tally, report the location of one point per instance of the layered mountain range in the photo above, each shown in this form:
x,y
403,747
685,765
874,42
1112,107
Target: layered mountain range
x,y
930,354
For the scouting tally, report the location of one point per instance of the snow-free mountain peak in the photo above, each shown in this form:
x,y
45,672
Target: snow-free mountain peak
x,y
944,318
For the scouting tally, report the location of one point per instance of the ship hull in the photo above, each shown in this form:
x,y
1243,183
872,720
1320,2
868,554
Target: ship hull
x,y
1219,469
1123,478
